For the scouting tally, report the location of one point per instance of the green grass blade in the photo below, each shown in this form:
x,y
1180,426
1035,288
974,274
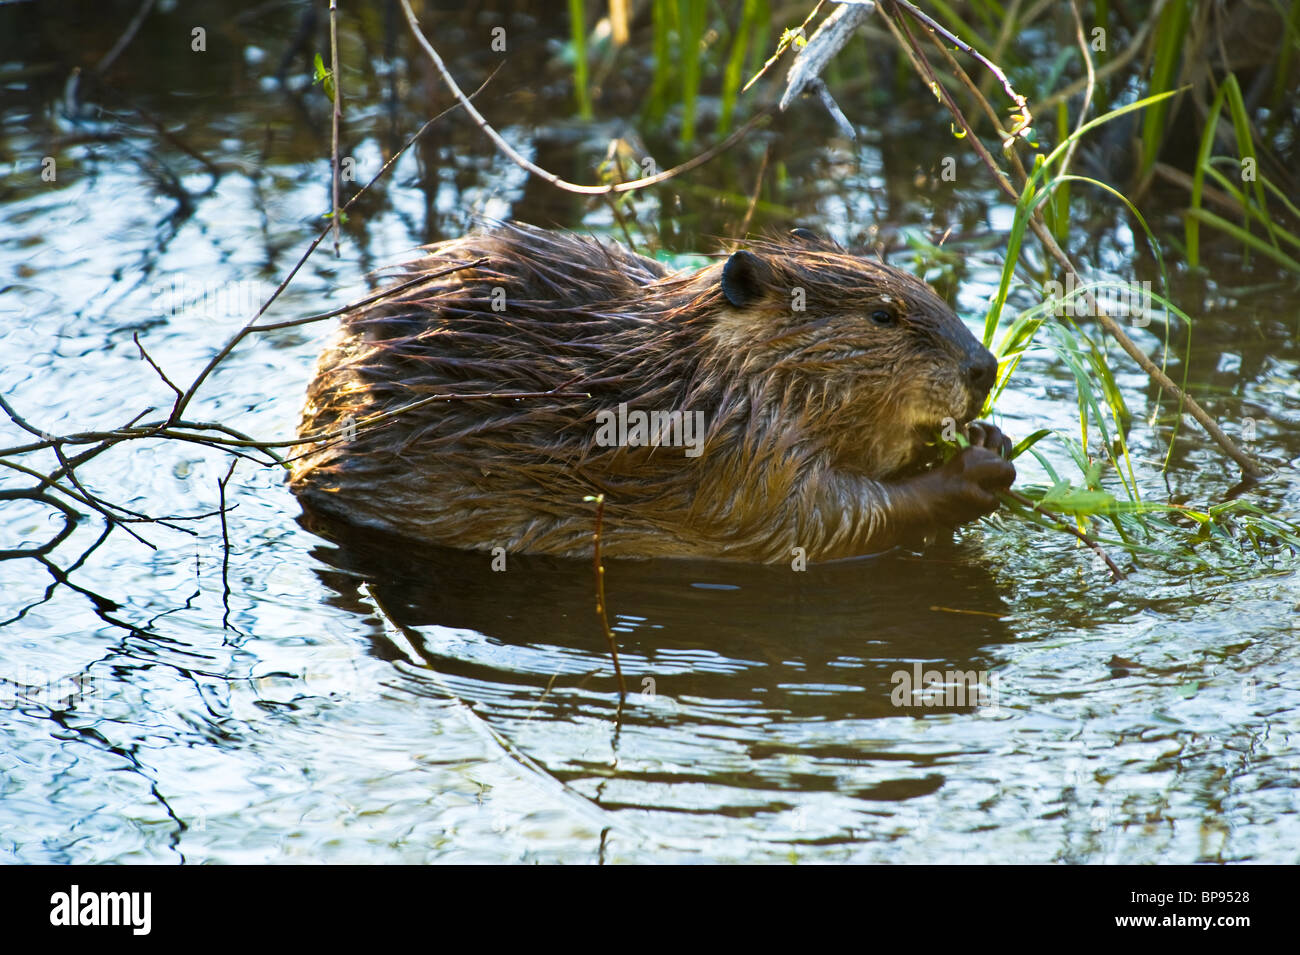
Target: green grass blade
x,y
1246,238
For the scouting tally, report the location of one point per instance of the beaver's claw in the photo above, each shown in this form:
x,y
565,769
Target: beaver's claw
x,y
981,434
967,485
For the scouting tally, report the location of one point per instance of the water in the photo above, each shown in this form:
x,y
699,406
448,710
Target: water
x,y
310,694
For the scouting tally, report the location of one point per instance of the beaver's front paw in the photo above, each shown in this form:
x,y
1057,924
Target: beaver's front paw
x,y
966,486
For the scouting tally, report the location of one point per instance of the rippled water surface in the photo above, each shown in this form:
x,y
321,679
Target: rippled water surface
x,y
308,694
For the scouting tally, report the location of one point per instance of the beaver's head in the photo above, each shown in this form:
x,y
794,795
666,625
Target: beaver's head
x,y
867,358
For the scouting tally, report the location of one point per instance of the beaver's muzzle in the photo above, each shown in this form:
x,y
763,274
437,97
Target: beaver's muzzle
x,y
979,370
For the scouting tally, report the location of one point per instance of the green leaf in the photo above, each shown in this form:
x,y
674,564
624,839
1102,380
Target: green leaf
x,y
324,77
1077,500
1254,241
1027,443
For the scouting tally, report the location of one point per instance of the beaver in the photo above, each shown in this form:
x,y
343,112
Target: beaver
x,y
780,403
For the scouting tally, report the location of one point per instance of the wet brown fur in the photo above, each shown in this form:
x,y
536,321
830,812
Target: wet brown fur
x,y
815,420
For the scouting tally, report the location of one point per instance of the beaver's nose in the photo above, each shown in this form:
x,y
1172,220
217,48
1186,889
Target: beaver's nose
x,y
981,371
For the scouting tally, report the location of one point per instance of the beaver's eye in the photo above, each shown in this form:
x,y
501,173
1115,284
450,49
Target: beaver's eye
x,y
883,316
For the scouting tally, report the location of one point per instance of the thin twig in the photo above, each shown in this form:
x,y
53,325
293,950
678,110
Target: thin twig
x,y
99,504
960,72
95,501
157,429
969,50
337,114
1065,525
789,37
1091,87
125,39
135,336
600,599
372,299
225,545
181,403
524,163
1131,49
753,199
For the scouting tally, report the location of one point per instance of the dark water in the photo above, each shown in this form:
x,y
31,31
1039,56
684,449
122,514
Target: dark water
x,y
309,694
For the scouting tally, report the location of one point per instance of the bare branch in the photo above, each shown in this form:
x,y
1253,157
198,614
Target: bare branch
x,y
1064,525
524,163
135,336
825,43
336,113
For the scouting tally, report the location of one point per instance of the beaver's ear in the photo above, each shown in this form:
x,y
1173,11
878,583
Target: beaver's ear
x,y
743,278
815,241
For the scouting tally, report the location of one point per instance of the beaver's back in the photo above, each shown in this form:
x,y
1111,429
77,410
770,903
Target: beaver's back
x,y
546,312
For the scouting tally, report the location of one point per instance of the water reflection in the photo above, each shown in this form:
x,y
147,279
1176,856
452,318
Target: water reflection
x,y
826,642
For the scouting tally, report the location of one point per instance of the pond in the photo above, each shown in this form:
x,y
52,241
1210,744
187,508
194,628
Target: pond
x,y
268,689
